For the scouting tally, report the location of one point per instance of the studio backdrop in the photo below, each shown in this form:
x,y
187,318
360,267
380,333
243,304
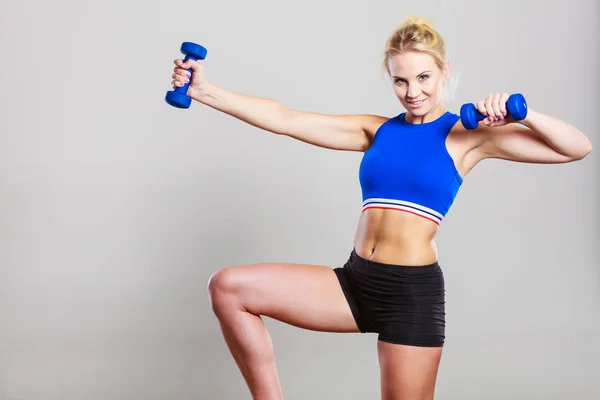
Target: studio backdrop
x,y
116,208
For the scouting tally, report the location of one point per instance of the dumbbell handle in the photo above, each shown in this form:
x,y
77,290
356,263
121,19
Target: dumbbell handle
x,y
516,107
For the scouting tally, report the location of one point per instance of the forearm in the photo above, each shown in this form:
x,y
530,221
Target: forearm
x,y
260,112
561,136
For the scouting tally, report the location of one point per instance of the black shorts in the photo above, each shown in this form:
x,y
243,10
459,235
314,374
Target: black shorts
x,y
403,304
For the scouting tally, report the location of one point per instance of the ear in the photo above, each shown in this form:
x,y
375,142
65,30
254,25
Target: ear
x,y
446,70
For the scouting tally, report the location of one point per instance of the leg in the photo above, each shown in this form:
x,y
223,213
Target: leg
x,y
408,372
306,296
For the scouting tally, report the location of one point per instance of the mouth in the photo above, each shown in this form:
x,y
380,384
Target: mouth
x,y
416,103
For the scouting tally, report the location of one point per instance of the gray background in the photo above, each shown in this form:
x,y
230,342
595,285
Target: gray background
x,y
115,208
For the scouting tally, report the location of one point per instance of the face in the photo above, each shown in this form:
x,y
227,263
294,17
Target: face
x,y
418,82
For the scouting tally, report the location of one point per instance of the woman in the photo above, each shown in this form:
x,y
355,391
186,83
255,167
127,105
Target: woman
x,y
412,168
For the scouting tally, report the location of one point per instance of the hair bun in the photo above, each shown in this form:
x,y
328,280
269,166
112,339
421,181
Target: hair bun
x,y
416,20
416,34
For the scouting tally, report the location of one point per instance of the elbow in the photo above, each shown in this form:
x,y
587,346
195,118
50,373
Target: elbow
x,y
581,154
587,150
285,119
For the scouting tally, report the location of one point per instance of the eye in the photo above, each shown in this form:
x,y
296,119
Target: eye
x,y
423,77
399,80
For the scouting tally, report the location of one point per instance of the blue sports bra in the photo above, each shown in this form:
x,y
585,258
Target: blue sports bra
x,y
408,168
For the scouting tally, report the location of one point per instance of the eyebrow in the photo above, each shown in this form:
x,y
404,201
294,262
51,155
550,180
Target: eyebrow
x,y
394,76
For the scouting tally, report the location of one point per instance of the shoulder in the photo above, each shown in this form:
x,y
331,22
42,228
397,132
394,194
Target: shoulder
x,y
372,123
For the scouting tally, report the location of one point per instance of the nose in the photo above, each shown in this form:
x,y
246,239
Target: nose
x,y
413,91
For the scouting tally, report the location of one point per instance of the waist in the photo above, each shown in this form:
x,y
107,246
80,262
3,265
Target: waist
x,y
393,237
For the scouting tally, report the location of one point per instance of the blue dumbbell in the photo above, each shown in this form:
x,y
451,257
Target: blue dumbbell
x,y
178,97
516,106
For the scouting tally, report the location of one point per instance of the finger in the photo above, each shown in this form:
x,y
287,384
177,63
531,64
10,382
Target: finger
x,y
181,67
503,99
180,78
177,83
489,108
480,107
183,72
189,64
496,106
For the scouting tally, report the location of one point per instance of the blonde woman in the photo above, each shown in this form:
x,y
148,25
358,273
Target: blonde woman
x,y
413,166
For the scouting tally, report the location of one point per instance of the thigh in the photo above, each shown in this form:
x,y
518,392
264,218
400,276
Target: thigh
x,y
408,372
303,295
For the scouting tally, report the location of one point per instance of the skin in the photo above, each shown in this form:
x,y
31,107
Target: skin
x,y
309,296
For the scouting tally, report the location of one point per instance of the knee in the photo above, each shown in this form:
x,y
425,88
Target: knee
x,y
223,287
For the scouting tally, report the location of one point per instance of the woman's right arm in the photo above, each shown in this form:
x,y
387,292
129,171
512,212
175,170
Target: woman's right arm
x,y
339,132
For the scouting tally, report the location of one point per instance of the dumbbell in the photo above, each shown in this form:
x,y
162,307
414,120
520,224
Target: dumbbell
x,y
516,106
178,97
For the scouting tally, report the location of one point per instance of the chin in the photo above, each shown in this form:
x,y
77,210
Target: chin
x,y
418,112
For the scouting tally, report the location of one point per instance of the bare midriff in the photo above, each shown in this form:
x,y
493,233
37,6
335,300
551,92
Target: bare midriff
x,y
395,237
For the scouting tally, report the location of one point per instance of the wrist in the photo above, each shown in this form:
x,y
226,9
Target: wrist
x,y
528,119
204,93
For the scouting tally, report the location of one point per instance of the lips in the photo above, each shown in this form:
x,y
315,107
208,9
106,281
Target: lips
x,y
416,103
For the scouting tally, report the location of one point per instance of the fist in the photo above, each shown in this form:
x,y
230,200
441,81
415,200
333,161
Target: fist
x,y
189,72
494,108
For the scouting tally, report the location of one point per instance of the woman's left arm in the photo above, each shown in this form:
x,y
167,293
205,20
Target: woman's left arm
x,y
542,139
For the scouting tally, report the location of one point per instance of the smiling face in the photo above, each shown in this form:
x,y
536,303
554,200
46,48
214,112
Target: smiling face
x,y
418,83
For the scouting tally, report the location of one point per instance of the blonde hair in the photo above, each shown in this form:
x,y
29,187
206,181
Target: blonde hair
x,y
420,34
416,34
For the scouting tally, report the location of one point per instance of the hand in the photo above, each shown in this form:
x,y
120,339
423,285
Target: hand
x,y
197,78
494,108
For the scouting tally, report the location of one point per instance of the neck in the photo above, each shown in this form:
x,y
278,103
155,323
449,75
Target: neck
x,y
432,115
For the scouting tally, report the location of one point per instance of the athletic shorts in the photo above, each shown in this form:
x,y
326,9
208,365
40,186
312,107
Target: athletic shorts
x,y
403,304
